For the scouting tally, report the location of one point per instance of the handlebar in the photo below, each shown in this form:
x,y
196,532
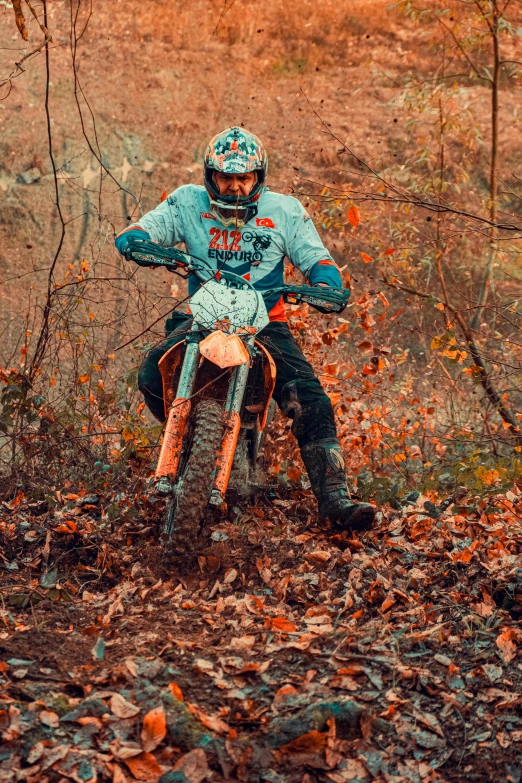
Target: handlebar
x,y
147,253
326,300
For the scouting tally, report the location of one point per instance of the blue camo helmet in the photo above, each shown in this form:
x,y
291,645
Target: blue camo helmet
x,y
235,151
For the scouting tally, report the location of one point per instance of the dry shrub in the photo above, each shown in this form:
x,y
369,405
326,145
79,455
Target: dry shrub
x,y
308,30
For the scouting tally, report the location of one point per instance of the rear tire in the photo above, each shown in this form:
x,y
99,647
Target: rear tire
x,y
186,510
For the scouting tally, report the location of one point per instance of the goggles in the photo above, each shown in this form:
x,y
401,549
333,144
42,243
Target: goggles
x,y
235,214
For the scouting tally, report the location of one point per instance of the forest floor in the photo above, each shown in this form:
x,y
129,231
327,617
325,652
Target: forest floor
x,y
289,653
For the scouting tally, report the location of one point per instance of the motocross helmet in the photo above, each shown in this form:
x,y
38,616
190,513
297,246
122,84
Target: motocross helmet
x,y
235,151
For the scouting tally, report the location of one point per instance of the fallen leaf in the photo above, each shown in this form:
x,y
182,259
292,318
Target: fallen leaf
x,y
57,753
306,743
144,767
242,643
280,624
318,556
429,720
213,564
49,718
154,728
176,691
492,672
204,665
505,643
503,739
354,770
283,694
209,721
194,766
230,576
124,752
387,603
303,643
122,708
13,731
442,659
118,775
254,604
35,753
69,526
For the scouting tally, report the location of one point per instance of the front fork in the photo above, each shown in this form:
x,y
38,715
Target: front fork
x,y
178,416
234,401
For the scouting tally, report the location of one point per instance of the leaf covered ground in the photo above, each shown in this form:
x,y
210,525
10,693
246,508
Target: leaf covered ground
x,y
288,653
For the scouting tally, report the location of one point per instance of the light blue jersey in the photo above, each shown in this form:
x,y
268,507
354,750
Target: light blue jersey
x,y
282,228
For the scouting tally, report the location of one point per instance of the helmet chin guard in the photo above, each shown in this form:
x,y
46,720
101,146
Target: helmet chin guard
x,y
235,151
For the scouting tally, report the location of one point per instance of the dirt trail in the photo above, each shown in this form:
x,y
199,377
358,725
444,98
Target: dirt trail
x,y
289,654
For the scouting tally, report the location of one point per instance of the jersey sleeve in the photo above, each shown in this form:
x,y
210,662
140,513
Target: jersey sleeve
x,y
306,251
164,224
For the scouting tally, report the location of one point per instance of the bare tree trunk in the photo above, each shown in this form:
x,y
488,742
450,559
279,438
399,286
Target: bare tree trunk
x,y
493,179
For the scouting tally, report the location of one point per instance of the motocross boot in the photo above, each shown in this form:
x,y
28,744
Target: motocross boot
x,y
324,463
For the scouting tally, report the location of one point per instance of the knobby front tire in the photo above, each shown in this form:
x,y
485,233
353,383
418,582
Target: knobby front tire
x,y
186,512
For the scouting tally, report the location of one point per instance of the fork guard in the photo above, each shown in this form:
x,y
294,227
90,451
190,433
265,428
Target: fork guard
x,y
172,444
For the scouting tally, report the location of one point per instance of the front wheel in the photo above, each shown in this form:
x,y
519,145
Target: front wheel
x,y
186,509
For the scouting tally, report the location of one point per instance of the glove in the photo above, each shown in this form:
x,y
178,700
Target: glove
x,y
145,252
339,299
123,242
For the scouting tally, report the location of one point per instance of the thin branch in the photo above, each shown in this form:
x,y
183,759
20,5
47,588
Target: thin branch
x,y
225,11
42,27
44,330
463,51
485,380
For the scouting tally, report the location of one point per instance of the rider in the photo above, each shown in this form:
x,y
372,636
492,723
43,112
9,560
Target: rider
x,y
236,223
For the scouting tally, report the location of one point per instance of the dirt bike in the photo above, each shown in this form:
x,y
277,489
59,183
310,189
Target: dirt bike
x,y
217,387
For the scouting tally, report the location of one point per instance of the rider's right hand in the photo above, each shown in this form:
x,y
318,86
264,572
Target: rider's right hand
x,y
123,239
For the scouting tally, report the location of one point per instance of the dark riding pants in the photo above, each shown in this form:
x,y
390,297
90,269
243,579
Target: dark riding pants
x,y
298,391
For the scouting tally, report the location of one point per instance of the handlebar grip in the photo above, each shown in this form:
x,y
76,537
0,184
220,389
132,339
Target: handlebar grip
x,y
146,253
326,300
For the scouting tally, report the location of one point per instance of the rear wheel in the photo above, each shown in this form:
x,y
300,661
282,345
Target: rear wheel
x,y
186,509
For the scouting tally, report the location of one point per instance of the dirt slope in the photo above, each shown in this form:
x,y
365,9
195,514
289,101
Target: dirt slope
x,y
160,78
